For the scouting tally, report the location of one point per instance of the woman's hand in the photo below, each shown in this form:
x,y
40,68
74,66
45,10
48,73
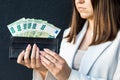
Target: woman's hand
x,y
32,61
55,64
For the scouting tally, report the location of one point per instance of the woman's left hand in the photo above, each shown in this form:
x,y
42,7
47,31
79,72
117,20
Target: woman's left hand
x,y
55,64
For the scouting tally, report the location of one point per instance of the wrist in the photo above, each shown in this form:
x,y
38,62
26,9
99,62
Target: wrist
x,y
43,73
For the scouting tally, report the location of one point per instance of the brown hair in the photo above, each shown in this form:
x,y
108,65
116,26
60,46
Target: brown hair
x,y
106,21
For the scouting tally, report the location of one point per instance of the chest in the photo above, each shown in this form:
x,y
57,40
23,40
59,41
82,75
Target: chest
x,y
86,41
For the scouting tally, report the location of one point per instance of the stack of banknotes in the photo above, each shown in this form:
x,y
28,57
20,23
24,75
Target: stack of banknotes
x,y
38,28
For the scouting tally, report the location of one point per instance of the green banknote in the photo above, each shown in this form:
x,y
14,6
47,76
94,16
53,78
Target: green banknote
x,y
33,28
35,34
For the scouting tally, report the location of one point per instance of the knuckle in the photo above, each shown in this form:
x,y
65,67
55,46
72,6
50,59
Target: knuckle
x,y
50,64
26,58
33,66
63,62
26,62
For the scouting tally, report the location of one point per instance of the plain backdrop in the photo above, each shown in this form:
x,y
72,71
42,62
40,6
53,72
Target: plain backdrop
x,y
57,12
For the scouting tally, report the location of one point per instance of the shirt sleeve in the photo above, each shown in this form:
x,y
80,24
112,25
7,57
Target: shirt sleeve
x,y
76,75
37,76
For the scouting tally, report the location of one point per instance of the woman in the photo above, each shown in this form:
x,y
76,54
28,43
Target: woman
x,y
90,49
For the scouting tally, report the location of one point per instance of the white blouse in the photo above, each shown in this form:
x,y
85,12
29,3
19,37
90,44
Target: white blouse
x,y
77,59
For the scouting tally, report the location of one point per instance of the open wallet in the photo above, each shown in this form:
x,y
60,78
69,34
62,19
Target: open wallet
x,y
18,44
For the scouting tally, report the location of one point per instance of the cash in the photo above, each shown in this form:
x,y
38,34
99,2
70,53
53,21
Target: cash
x,y
33,28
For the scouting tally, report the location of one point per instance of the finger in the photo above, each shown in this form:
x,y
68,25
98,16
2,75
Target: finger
x,y
20,58
27,54
33,56
55,55
49,57
37,58
49,65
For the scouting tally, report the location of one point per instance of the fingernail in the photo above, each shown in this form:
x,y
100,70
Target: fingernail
x,y
45,49
41,52
23,51
34,44
28,46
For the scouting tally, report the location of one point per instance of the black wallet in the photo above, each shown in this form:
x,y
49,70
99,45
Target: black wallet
x,y
17,44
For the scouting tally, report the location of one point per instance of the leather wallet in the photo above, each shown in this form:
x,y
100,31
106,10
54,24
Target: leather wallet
x,y
17,44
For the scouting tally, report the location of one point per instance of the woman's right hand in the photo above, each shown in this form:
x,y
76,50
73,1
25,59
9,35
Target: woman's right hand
x,y
31,60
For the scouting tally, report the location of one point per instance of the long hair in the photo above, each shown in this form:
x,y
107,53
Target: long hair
x,y
106,21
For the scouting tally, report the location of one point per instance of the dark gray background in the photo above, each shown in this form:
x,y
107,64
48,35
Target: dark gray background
x,y
57,12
